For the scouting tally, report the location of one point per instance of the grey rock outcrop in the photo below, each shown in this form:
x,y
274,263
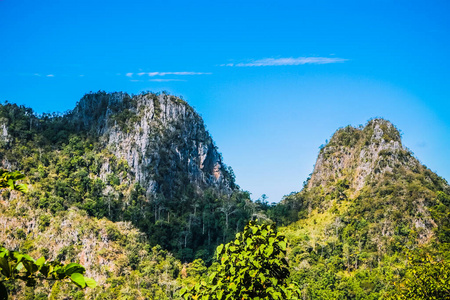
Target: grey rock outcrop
x,y
370,169
361,155
162,139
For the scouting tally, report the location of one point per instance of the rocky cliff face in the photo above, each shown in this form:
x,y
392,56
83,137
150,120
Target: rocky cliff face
x,y
162,139
366,173
361,155
368,203
367,183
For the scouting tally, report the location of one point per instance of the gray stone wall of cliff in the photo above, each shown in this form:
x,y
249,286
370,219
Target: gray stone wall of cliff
x,y
163,140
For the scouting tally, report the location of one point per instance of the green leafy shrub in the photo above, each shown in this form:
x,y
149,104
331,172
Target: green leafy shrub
x,y
253,266
17,266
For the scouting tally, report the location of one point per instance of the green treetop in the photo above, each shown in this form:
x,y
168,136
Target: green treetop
x,y
253,266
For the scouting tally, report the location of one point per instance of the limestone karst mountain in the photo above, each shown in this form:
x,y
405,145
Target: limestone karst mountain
x,y
357,160
373,158
133,188
367,202
359,155
145,158
162,139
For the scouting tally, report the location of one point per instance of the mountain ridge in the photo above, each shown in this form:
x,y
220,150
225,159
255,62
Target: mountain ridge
x,y
368,202
378,137
145,158
141,177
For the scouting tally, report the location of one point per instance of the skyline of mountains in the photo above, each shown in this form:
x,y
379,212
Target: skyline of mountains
x,y
144,166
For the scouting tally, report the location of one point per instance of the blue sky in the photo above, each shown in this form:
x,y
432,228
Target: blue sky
x,y
272,79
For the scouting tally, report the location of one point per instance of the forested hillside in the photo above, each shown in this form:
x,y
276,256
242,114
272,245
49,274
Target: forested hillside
x,y
368,203
134,189
112,179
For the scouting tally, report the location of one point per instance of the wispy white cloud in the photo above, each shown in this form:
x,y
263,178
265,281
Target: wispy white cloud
x,y
40,75
153,74
165,80
287,61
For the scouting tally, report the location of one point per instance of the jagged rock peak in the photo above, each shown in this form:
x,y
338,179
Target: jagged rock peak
x,y
94,109
383,129
360,154
376,131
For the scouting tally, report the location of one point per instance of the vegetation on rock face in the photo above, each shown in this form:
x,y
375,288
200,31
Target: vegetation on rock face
x,y
115,254
367,202
133,188
16,266
175,188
